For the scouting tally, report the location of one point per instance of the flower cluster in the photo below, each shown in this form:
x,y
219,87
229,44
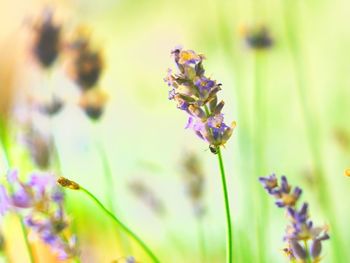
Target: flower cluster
x,y
197,95
40,201
194,182
301,231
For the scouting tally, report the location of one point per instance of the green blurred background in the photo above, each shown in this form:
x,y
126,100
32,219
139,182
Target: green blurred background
x,y
290,103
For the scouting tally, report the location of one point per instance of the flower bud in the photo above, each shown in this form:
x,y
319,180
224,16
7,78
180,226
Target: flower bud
x,y
298,251
64,182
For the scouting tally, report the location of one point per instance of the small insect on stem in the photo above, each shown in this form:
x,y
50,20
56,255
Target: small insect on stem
x,y
213,149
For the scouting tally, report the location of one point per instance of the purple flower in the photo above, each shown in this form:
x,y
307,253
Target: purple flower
x,y
298,251
316,246
4,201
41,181
32,193
204,84
285,197
300,227
269,183
169,79
22,198
187,57
298,216
216,121
196,94
130,259
41,201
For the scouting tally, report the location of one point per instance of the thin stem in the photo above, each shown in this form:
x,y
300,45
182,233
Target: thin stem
x,y
201,240
176,243
226,200
259,145
227,208
26,240
124,227
107,176
308,259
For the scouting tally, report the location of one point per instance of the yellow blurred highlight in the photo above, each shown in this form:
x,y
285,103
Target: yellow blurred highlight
x,y
347,172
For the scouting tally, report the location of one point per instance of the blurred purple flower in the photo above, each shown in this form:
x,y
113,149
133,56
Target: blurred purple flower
x,y
283,193
4,201
41,201
300,229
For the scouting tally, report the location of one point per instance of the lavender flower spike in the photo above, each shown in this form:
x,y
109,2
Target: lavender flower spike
x,y
284,195
196,94
40,201
301,231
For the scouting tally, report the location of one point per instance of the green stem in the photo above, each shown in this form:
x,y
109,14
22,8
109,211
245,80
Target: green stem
x,y
227,208
226,200
308,259
259,164
124,227
107,176
26,240
175,242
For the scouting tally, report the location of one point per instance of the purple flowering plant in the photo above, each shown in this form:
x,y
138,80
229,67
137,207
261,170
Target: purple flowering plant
x,y
196,94
41,203
304,240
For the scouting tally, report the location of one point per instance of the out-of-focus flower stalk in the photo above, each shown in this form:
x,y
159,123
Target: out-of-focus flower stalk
x,y
227,24
155,204
74,186
290,9
109,189
201,239
6,156
259,42
194,185
109,184
259,134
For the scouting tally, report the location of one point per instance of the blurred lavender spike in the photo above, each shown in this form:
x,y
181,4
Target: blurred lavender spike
x,y
301,231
